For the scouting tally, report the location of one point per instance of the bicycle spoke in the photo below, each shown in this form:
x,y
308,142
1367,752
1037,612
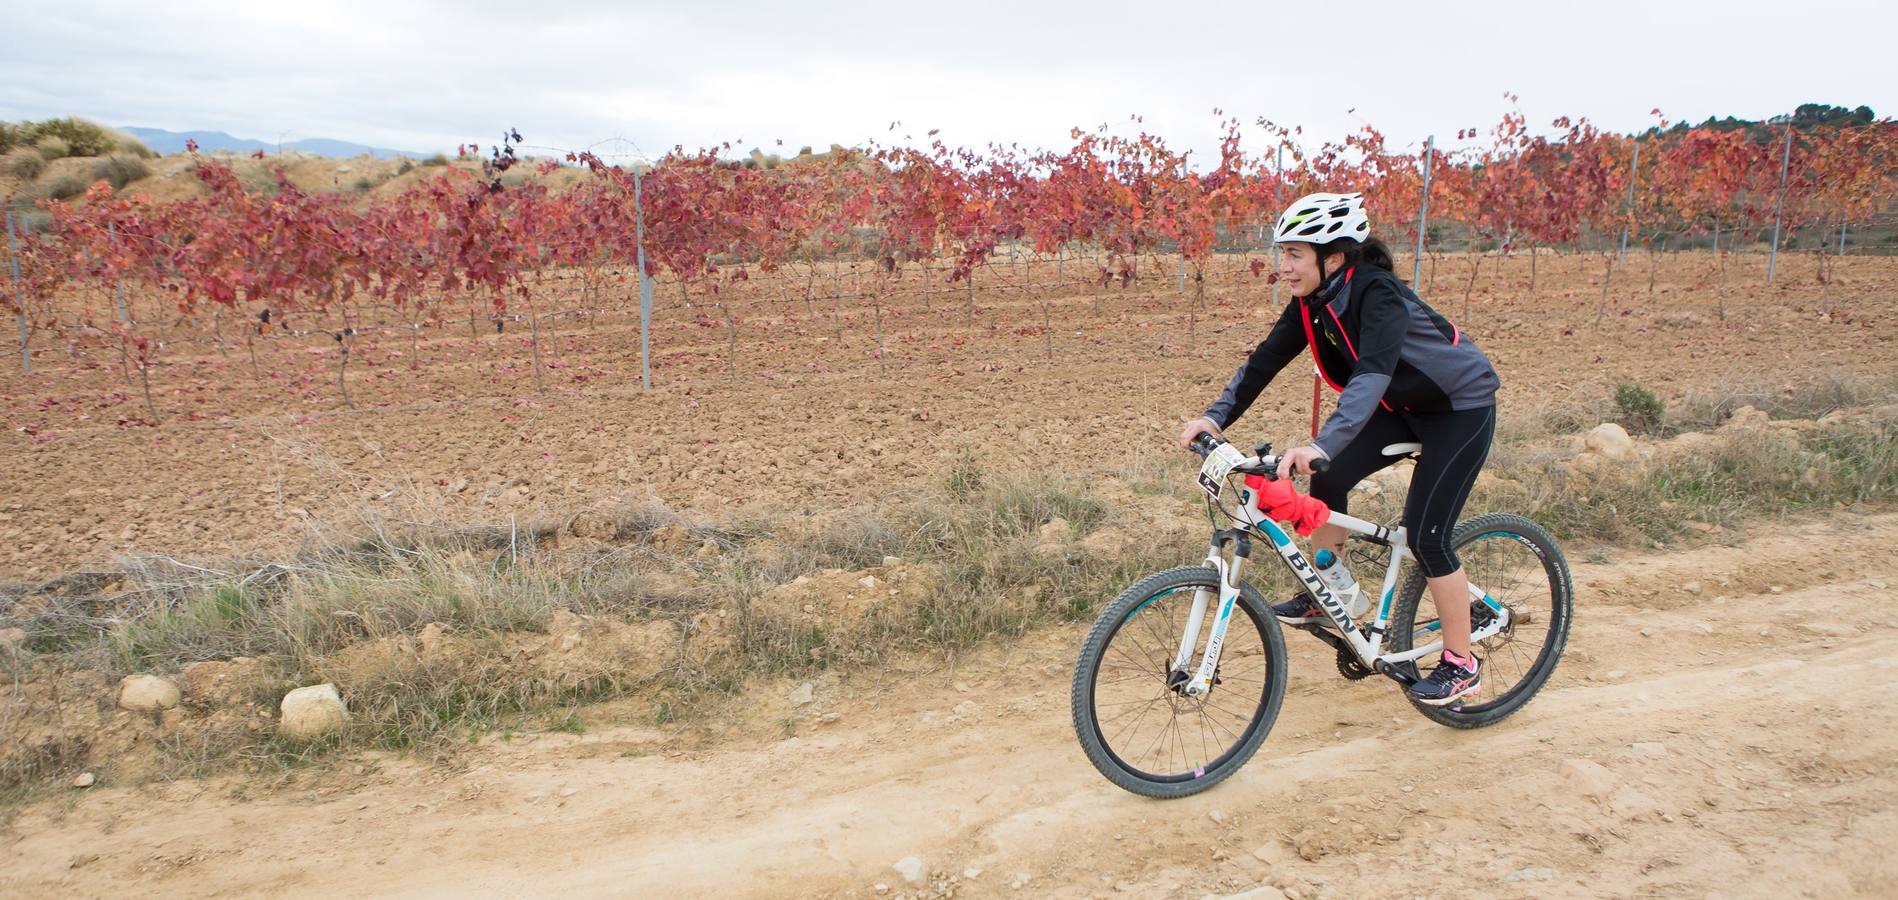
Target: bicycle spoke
x,y
1155,728
1515,575
1142,665
1141,718
1234,735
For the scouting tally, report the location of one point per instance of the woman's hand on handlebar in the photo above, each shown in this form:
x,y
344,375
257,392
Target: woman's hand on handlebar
x,y
1195,428
1302,461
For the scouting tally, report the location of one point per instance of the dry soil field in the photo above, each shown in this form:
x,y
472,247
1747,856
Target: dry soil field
x,y
801,414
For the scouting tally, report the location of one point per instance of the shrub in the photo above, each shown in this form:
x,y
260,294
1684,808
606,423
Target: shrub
x,y
256,180
87,138
53,148
1640,408
78,137
134,147
59,187
436,160
119,170
25,163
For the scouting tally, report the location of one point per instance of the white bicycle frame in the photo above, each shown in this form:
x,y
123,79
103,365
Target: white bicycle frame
x,y
1219,464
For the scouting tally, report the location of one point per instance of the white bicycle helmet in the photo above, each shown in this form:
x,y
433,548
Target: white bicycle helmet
x,y
1323,218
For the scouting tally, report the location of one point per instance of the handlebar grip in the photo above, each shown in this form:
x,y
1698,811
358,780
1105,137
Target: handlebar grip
x,y
1320,464
1205,443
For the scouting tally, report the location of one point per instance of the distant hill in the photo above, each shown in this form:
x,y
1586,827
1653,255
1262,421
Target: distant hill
x,y
167,142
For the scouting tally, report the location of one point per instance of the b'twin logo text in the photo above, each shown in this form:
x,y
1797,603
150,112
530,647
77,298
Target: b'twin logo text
x,y
1318,589
1215,642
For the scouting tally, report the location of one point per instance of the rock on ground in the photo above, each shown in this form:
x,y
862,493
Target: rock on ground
x,y
671,539
1746,417
147,692
1590,778
911,868
312,711
1609,441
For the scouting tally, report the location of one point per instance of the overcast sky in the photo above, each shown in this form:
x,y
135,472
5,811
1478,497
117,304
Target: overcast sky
x,y
428,74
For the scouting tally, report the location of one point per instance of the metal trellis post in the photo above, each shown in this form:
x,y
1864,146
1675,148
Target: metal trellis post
x,y
1278,174
645,286
1634,174
1779,206
1423,209
112,232
19,297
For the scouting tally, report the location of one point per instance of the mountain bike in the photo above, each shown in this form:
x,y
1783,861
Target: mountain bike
x,y
1181,677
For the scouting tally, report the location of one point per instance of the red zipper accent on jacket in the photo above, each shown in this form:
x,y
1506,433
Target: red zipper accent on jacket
x,y
1310,339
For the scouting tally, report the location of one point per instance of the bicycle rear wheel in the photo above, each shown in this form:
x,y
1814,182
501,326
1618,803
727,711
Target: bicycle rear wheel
x,y
1134,720
1517,564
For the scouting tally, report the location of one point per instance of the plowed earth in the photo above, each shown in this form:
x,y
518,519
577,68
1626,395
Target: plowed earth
x,y
800,411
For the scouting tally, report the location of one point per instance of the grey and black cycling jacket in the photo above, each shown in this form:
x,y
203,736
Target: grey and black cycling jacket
x,y
1378,344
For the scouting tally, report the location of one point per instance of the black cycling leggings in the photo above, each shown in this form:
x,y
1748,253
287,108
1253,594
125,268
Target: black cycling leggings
x,y
1455,444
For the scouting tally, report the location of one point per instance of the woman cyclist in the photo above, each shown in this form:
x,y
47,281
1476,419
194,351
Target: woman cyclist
x,y
1406,375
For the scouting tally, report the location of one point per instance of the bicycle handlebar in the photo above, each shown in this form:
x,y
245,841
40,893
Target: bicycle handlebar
x,y
1254,465
1204,444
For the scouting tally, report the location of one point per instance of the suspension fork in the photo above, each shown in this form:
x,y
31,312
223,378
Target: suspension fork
x,y
1229,572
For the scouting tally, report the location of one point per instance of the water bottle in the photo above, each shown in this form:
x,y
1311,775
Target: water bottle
x,y
1342,585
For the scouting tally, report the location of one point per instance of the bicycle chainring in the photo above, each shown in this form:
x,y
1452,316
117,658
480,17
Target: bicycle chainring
x,y
1351,668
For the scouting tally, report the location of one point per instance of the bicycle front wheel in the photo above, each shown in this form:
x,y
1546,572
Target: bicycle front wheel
x,y
1131,712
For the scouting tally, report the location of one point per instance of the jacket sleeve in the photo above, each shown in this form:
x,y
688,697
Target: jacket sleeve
x,y
1381,328
1284,343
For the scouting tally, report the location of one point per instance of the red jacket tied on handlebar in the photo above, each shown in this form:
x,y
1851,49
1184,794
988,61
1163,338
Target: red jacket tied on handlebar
x,y
1279,500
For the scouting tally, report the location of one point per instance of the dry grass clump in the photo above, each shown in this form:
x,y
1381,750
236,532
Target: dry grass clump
x,y
120,170
24,163
1733,475
433,634
58,187
1808,397
52,148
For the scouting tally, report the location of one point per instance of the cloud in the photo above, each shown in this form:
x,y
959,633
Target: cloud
x,y
428,75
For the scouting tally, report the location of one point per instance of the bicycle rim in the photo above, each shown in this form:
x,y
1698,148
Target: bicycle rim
x,y
1153,731
1511,570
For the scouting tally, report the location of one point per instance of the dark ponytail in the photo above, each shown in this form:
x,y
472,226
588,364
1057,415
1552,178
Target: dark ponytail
x,y
1371,251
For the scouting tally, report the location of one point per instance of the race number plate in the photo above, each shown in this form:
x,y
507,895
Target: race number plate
x,y
1219,463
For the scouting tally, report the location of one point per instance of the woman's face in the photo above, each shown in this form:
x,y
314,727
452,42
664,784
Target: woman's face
x,y
1298,268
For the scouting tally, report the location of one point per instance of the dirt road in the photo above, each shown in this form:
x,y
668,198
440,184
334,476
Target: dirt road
x,y
1755,760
